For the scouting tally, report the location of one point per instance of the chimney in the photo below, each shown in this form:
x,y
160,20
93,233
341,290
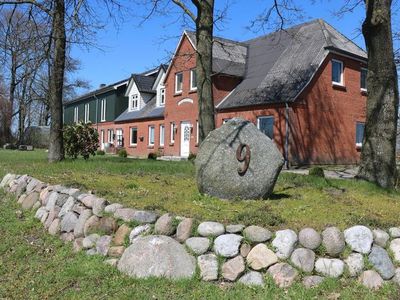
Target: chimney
x,y
102,85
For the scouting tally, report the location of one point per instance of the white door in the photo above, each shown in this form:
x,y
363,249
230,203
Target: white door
x,y
102,139
185,139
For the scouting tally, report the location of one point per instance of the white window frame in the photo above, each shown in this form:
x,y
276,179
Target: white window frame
x,y
110,136
273,124
76,114
162,96
341,83
172,132
135,102
193,73
103,107
87,112
359,145
131,135
151,128
361,88
162,135
176,82
102,136
120,133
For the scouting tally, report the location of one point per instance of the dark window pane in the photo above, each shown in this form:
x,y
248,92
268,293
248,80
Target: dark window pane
x,y
364,79
359,133
336,72
266,125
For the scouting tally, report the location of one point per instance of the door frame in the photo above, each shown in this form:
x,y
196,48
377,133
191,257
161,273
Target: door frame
x,y
183,124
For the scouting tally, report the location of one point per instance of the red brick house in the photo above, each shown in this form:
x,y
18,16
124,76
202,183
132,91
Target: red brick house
x,y
305,87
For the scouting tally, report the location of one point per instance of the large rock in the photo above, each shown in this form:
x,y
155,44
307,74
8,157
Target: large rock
x,y
395,248
329,267
252,278
371,280
303,259
208,265
261,257
103,244
359,238
394,232
165,225
110,209
233,268
30,200
69,221
210,229
227,245
67,207
158,256
54,228
184,230
98,206
7,179
217,165
91,225
381,237
284,243
309,238
333,241
283,274
355,264
381,261
80,225
199,245
257,234
140,216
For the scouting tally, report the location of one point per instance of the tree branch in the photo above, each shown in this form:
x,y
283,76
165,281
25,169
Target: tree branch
x,y
185,9
31,2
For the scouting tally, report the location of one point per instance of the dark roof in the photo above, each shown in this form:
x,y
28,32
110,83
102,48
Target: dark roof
x,y
229,57
144,83
99,91
281,64
149,111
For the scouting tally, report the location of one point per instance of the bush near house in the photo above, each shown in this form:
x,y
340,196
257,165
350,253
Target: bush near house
x,y
80,139
122,152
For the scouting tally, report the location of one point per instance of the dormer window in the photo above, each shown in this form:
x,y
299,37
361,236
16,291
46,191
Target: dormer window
x,y
134,102
162,97
178,82
193,80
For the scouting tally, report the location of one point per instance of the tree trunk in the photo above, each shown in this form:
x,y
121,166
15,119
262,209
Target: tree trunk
x,y
56,147
11,99
204,36
378,156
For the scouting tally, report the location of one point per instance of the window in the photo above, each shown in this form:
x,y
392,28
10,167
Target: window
x,y
76,116
133,136
337,72
87,111
172,132
178,82
193,80
120,138
359,133
162,96
102,137
363,79
162,134
134,102
103,105
110,136
151,135
266,126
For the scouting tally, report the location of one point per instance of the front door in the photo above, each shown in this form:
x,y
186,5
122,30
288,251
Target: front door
x,y
185,139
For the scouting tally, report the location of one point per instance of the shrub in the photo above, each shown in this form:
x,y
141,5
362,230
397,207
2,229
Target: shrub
x,y
317,172
80,139
122,152
100,152
152,155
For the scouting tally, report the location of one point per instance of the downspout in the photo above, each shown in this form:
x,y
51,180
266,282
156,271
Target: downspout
x,y
97,112
287,121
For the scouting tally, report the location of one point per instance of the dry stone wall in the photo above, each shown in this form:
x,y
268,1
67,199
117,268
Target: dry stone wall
x,y
143,243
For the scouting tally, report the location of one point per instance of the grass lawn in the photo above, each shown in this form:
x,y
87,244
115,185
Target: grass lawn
x,y
298,200
35,265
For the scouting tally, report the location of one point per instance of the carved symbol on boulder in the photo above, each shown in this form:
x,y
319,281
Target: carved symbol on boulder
x,y
246,158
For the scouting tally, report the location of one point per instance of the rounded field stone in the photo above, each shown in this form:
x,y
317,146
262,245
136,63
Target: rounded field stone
x,y
164,225
261,257
371,279
329,267
283,274
235,228
312,281
333,241
257,234
303,259
359,238
284,243
139,230
381,261
395,248
210,229
252,278
394,232
227,245
199,245
233,268
355,264
208,265
309,238
217,166
184,230
120,235
103,244
381,237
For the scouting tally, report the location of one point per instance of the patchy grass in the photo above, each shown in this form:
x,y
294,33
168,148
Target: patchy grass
x,y
298,200
35,265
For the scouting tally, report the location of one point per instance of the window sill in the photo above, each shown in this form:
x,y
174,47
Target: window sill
x,y
364,92
178,94
338,86
133,146
150,146
171,144
161,147
193,91
358,146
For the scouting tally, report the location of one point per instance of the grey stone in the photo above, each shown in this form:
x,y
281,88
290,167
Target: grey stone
x,y
158,256
330,267
112,208
333,241
381,261
61,199
284,243
217,166
54,228
371,280
394,232
67,207
355,264
210,229
79,208
32,185
30,200
381,237
91,225
164,225
69,221
359,238
312,281
103,244
51,200
91,252
199,245
139,230
116,251
233,268
309,238
261,257
245,249
396,277
184,230
283,274
128,215
67,237
303,259
90,241
36,205
87,199
53,213
40,213
6,180
395,248
98,206
112,262
44,195
227,245
257,234
252,278
79,229
234,228
208,265
21,199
